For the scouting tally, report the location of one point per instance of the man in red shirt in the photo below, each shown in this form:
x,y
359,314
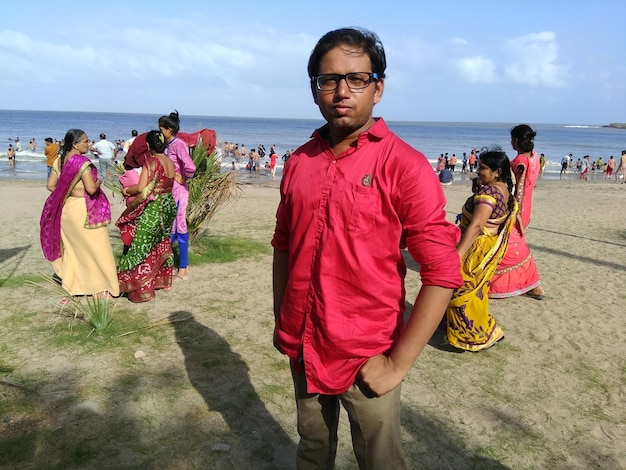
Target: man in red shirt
x,y
351,199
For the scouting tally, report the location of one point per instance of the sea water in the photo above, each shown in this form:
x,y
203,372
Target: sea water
x,y
431,138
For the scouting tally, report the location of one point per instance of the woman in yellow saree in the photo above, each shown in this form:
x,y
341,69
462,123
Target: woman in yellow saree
x,y
486,221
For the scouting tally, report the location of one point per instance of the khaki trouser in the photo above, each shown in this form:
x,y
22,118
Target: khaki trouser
x,y
374,423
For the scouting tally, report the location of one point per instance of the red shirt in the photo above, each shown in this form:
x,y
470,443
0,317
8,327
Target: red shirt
x,y
343,221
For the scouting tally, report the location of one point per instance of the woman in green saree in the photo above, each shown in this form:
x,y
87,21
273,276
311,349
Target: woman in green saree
x,y
146,224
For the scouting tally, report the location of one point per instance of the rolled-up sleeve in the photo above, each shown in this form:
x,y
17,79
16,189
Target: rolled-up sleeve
x,y
430,238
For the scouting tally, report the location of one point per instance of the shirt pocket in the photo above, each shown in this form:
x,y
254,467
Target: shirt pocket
x,y
362,209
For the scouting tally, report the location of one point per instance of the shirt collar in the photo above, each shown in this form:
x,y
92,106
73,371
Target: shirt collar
x,y
376,132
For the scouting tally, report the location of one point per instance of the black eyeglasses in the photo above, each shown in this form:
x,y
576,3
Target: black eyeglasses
x,y
355,80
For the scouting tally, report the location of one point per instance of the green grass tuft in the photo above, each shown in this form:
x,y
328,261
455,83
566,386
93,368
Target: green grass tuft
x,y
224,250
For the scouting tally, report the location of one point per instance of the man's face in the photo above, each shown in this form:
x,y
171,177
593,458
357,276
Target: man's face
x,y
347,111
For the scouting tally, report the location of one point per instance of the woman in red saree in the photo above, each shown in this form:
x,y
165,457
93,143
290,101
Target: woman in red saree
x,y
146,225
517,273
73,232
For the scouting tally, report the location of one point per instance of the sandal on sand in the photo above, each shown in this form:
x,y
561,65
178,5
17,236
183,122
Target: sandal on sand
x,y
176,277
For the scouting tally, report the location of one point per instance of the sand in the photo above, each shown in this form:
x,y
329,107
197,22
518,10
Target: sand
x,y
214,393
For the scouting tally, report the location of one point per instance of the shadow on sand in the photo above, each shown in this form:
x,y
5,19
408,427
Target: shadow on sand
x,y
221,377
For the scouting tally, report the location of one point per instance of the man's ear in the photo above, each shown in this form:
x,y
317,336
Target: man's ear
x,y
378,93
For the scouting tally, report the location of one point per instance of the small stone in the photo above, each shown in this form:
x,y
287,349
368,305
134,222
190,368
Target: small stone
x,y
5,418
219,447
140,354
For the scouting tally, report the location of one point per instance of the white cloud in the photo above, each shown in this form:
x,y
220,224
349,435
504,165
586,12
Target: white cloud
x,y
230,72
458,41
227,58
533,61
30,60
477,69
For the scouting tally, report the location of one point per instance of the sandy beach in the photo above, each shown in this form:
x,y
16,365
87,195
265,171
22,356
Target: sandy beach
x,y
211,392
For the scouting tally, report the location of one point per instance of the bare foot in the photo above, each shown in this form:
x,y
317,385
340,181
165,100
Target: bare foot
x,y
182,274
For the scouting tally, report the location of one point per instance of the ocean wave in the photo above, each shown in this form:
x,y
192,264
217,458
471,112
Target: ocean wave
x,y
583,127
26,156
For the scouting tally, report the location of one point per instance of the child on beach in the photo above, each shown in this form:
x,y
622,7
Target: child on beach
x,y
610,165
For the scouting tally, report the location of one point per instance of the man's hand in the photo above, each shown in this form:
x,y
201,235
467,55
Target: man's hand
x,y
384,372
379,375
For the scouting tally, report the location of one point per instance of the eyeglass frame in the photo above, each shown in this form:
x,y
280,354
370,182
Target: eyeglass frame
x,y
372,76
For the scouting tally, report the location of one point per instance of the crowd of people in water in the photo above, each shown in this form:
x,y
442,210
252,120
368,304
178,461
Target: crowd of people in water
x,y
612,169
257,159
237,153
256,162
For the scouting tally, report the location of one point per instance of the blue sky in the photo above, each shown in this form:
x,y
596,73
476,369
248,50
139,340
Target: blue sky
x,y
543,61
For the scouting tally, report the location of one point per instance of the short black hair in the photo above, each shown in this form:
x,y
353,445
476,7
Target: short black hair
x,y
361,38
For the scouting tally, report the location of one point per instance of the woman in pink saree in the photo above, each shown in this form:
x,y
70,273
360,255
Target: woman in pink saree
x,y
517,272
73,232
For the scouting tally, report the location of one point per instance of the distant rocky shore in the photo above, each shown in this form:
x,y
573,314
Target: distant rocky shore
x,y
617,125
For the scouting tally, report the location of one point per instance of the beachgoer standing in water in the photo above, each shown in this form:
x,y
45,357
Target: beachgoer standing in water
x,y
51,152
11,154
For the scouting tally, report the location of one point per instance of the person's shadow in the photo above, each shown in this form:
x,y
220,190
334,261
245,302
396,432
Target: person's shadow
x,y
19,253
435,446
221,377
